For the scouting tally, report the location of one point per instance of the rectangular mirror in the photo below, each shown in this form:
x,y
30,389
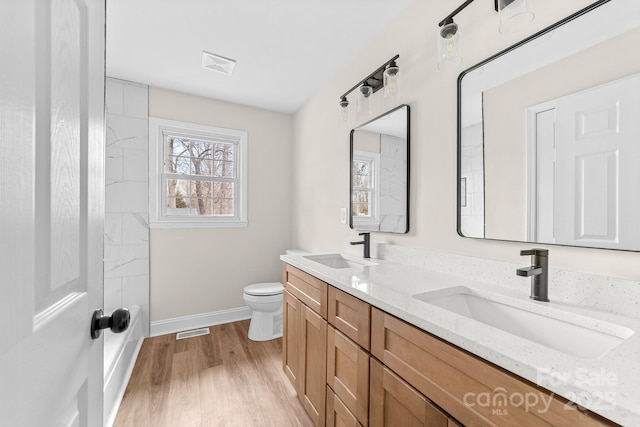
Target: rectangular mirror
x,y
549,135
380,173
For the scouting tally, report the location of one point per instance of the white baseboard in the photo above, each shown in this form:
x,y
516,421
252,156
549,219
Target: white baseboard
x,y
185,323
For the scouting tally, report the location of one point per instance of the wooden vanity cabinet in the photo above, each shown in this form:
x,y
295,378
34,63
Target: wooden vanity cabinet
x,y
461,383
356,365
305,339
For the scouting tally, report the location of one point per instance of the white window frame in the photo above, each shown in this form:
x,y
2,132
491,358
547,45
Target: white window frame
x,y
158,128
371,222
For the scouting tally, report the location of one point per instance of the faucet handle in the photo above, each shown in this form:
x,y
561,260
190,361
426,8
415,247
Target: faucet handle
x,y
535,252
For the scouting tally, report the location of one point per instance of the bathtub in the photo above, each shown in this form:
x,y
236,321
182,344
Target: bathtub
x,y
120,353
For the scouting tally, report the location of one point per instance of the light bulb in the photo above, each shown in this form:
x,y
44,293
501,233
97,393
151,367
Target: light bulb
x,y
343,110
364,100
390,79
449,46
514,15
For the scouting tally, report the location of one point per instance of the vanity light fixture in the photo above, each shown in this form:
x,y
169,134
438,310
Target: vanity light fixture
x,y
514,14
386,76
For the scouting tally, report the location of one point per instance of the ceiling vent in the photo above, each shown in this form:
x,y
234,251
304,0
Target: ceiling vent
x,y
213,62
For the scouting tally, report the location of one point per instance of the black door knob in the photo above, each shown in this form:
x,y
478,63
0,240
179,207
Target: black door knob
x,y
117,322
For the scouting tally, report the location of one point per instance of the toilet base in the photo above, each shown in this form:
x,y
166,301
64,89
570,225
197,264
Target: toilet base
x,y
265,326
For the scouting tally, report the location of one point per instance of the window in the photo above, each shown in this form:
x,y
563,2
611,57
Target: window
x,y
197,175
365,188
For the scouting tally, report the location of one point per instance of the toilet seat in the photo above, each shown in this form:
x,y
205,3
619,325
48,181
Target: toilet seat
x,y
264,289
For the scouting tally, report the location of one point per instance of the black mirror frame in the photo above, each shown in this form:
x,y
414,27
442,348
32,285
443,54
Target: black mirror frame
x,y
350,210
552,27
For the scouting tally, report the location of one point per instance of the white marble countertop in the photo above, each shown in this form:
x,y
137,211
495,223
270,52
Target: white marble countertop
x,y
609,385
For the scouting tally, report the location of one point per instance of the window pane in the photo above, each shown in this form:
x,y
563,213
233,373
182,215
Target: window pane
x,y
360,203
201,207
361,172
201,158
178,146
178,188
223,190
223,198
223,165
222,168
177,160
201,189
223,207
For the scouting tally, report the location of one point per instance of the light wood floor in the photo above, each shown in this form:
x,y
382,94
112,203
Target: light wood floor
x,y
221,379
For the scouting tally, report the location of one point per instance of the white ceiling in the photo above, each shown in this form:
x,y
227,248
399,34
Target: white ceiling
x,y
285,49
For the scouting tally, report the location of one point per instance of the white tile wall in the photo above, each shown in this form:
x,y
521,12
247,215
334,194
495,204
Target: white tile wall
x,y
472,168
127,196
126,229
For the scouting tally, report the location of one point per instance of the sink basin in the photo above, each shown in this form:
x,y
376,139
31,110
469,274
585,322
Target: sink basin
x,y
569,333
339,261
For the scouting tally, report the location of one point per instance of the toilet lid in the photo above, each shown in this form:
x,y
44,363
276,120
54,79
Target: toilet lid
x,y
274,288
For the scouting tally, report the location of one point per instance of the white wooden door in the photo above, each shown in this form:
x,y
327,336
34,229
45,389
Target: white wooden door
x,y
51,211
597,172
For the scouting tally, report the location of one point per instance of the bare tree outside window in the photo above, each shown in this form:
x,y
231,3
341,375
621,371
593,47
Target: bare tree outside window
x,y
199,177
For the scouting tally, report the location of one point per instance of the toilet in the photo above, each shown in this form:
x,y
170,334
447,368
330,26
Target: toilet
x,y
265,301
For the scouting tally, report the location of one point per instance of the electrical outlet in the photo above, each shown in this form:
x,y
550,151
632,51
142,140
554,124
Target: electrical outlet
x,y
343,215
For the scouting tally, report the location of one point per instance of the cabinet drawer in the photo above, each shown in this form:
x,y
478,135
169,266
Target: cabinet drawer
x,y
350,316
348,373
396,403
450,377
308,289
338,415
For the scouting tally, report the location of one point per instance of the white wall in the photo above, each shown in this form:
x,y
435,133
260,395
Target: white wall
x,y
320,184
215,264
126,228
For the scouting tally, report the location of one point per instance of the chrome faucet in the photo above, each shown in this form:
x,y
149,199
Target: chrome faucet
x,y
539,273
366,243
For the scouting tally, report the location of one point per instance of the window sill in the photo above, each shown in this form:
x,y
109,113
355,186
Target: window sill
x,y
197,224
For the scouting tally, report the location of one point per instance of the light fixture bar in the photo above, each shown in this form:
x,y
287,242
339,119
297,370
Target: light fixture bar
x,y
449,17
376,78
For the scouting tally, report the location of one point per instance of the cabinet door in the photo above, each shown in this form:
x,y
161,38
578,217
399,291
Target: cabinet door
x,y
313,364
396,403
348,373
338,415
291,338
350,315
